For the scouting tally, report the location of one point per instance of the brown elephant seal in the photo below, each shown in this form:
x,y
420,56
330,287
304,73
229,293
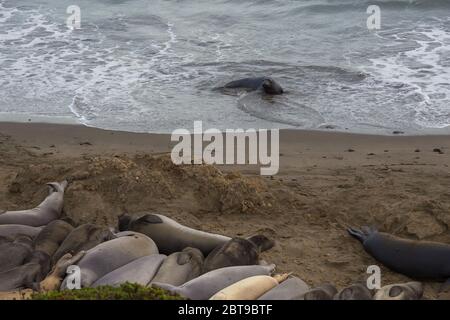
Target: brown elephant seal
x,y
237,252
402,291
169,235
49,209
51,236
356,291
290,289
53,280
180,267
205,286
14,253
113,254
323,292
82,238
14,230
140,271
416,259
266,84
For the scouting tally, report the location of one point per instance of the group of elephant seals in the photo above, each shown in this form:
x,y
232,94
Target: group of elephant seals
x,y
416,259
51,236
47,211
111,255
402,291
82,238
180,267
266,84
237,252
291,289
169,235
208,284
140,271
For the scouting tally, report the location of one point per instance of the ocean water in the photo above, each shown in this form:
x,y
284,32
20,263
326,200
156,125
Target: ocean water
x,y
152,65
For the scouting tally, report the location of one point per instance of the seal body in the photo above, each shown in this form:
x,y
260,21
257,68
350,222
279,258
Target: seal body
x,y
237,252
416,259
354,292
324,292
401,291
205,286
51,236
14,230
170,236
82,238
180,267
291,289
267,84
140,271
47,211
113,254
14,253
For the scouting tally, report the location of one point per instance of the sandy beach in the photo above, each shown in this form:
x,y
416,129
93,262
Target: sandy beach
x,y
327,182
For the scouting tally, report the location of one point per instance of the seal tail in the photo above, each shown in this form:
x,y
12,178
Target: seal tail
x,y
358,234
57,186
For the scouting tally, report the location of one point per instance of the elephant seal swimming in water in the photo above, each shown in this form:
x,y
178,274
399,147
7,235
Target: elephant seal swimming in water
x,y
51,236
237,252
140,271
180,267
416,259
205,286
83,238
402,291
47,211
14,253
290,289
113,254
169,235
354,292
249,288
266,84
14,230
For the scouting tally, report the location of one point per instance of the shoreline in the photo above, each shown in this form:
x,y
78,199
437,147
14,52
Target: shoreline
x,y
326,183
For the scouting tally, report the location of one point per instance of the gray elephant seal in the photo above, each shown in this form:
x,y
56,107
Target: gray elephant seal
x,y
354,292
82,238
324,292
290,289
169,235
14,230
237,252
14,253
51,236
140,271
47,211
180,267
266,84
113,254
416,259
208,284
401,291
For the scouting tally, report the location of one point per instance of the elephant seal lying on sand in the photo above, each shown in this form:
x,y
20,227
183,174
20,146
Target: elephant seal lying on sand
x,y
357,291
208,284
169,235
290,289
47,211
14,253
51,236
401,291
14,230
180,267
266,84
416,259
111,255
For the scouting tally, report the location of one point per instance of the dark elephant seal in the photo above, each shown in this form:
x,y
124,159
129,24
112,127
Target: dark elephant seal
x,y
14,253
113,254
83,238
51,236
354,292
237,252
47,211
169,235
323,292
416,259
14,230
180,267
266,84
208,284
290,289
400,291
140,271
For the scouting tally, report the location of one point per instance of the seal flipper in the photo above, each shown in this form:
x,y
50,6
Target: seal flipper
x,y
358,234
57,186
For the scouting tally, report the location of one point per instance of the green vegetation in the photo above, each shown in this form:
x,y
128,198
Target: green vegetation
x,y
126,291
